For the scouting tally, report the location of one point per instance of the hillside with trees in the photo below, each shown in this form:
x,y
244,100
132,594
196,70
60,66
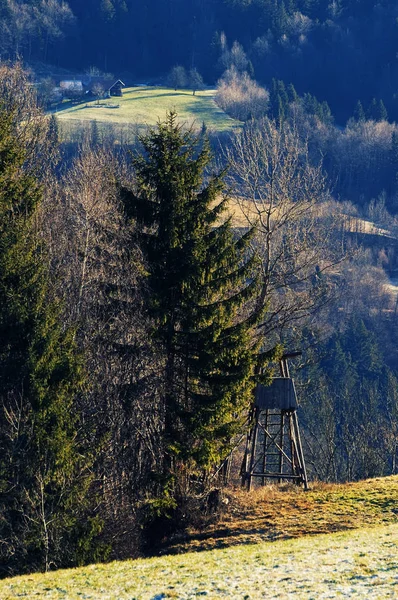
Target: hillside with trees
x,y
331,66
341,51
148,285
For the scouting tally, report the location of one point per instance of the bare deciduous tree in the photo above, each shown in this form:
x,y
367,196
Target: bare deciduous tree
x,y
282,195
30,125
177,77
240,96
101,269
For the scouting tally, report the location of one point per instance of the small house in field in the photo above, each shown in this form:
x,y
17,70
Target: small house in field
x,y
117,88
102,87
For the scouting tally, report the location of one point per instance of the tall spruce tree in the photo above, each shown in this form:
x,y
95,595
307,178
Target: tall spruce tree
x,y
43,477
203,285
279,101
359,113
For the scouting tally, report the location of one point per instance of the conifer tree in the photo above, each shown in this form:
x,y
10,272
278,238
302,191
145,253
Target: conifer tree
x,y
202,282
94,133
53,130
274,99
325,114
43,478
291,93
359,113
310,103
382,114
279,101
280,18
372,112
350,406
250,69
377,110
283,94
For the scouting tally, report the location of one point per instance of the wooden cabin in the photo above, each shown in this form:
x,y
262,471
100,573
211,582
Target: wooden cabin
x,y
117,88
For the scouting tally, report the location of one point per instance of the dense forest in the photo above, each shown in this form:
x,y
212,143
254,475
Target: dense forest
x,y
136,317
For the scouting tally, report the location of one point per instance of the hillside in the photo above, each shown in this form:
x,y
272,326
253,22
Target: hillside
x,y
327,48
353,563
134,325
140,106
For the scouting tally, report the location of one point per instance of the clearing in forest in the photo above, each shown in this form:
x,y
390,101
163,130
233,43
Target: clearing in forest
x,y
142,106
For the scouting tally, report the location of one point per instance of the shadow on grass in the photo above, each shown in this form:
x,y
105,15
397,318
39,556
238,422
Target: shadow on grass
x,y
165,95
205,110
225,537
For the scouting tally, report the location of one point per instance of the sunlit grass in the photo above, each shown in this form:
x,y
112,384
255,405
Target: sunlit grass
x,y
278,512
142,106
356,556
354,564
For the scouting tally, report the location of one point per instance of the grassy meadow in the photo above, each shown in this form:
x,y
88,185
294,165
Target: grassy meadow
x,y
142,106
261,548
355,564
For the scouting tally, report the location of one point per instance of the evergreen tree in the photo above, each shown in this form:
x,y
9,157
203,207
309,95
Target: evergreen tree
x,y
273,99
53,131
310,104
43,478
377,111
203,282
359,113
283,95
382,114
94,133
291,93
325,114
250,69
350,407
280,18
279,101
372,112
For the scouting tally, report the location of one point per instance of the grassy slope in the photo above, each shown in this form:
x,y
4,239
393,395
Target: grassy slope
x,y
141,106
356,563
279,512
353,565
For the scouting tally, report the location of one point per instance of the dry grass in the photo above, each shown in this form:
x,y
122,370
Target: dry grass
x,y
279,512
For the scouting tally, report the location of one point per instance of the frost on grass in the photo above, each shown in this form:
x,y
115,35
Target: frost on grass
x,y
355,564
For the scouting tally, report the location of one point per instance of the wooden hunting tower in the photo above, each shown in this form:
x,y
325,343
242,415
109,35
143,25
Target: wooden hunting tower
x,y
273,446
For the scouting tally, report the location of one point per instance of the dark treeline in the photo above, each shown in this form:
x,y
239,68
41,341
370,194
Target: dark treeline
x,y
341,51
350,400
135,321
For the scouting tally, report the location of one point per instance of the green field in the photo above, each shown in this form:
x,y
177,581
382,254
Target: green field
x,y
142,106
355,564
260,548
